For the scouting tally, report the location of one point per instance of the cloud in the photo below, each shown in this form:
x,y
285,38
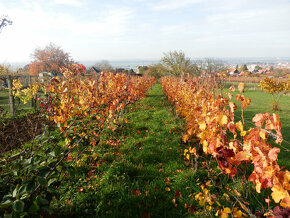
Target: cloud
x,y
35,26
133,28
73,3
169,5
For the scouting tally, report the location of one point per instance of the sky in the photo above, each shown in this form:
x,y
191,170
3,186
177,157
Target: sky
x,y
92,30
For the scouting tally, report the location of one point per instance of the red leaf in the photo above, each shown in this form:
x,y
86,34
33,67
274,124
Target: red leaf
x,y
80,189
136,192
178,194
191,209
146,215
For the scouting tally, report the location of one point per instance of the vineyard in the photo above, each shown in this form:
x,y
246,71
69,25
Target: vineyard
x,y
115,145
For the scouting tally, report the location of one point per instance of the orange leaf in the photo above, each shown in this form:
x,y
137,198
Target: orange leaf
x,y
185,138
278,193
233,106
273,153
258,119
232,88
241,87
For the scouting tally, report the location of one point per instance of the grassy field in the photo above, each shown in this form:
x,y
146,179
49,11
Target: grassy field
x,y
261,103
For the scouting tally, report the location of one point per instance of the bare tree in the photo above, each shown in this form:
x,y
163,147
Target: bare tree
x,y
210,65
178,65
4,21
103,66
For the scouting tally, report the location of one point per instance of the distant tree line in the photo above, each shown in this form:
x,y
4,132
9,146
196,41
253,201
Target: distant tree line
x,y
175,63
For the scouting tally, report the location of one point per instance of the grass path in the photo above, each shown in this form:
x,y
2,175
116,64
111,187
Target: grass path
x,y
149,170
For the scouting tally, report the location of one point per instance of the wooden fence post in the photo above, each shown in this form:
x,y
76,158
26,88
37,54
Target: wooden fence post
x,y
11,97
33,100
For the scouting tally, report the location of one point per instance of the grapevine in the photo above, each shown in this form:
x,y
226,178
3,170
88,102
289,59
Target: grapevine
x,y
210,116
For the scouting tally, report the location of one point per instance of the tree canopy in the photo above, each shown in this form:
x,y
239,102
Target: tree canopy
x,y
49,59
103,66
156,70
178,65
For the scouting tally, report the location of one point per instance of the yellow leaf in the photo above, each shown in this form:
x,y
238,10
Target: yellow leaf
x,y
278,193
201,202
240,126
185,138
224,215
208,208
204,146
243,133
237,213
224,120
227,210
241,87
258,186
202,126
192,151
262,134
217,213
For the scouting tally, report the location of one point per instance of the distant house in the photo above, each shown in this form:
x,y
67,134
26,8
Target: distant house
x,y
255,72
234,72
261,71
45,74
135,74
270,73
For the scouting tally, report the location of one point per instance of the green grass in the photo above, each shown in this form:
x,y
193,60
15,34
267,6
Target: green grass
x,y
4,98
248,86
19,106
261,103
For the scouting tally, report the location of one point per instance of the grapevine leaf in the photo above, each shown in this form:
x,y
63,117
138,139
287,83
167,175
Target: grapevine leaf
x,y
273,153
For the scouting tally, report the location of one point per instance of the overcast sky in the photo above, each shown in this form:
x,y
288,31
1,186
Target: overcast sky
x,y
145,29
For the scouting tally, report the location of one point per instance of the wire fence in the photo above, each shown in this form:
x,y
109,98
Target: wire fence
x,y
10,106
